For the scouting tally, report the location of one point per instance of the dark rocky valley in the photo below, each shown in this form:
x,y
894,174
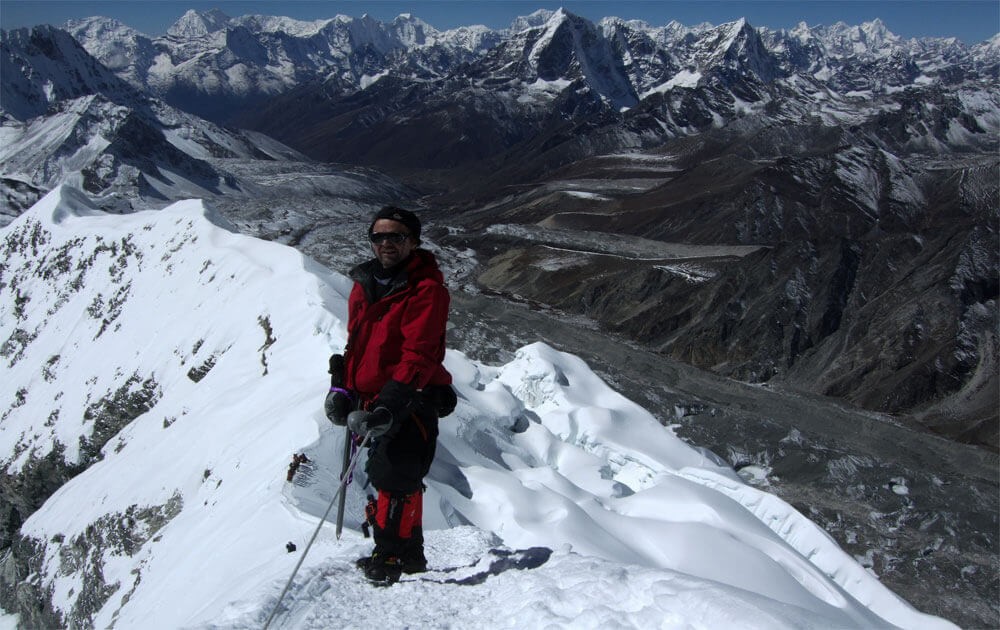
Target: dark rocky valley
x,y
783,244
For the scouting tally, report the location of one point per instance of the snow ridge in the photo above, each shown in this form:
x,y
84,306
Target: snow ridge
x,y
220,342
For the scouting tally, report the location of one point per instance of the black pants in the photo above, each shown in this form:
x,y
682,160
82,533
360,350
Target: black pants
x,y
396,468
399,464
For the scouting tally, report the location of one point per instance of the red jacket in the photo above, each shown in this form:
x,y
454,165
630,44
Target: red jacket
x,y
400,336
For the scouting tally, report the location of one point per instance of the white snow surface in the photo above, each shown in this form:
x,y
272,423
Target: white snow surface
x,y
645,530
684,78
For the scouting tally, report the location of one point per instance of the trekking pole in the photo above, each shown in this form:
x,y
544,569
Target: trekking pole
x,y
343,474
340,490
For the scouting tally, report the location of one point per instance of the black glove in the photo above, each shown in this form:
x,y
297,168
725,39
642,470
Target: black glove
x,y
398,398
391,407
377,422
441,398
337,406
338,402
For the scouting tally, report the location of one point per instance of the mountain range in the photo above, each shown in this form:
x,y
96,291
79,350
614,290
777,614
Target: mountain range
x,y
812,210
861,164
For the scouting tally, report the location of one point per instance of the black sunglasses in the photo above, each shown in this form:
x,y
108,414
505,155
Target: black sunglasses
x,y
393,237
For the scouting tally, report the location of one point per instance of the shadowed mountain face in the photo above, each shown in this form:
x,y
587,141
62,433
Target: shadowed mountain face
x,y
869,279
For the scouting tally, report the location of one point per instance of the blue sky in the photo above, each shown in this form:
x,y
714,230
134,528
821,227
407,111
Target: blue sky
x,y
972,21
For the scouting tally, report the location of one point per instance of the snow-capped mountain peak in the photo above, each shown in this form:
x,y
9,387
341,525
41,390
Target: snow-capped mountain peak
x,y
195,24
102,28
567,46
533,20
868,38
989,47
281,25
43,66
876,33
412,31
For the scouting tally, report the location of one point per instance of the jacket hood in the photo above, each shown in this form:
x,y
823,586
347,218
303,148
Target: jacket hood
x,y
423,265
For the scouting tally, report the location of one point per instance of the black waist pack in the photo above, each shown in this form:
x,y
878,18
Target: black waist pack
x,y
440,398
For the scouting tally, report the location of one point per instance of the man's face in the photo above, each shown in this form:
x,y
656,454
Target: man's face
x,y
388,252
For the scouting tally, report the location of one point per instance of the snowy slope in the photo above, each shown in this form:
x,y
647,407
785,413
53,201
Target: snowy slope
x,y
220,341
